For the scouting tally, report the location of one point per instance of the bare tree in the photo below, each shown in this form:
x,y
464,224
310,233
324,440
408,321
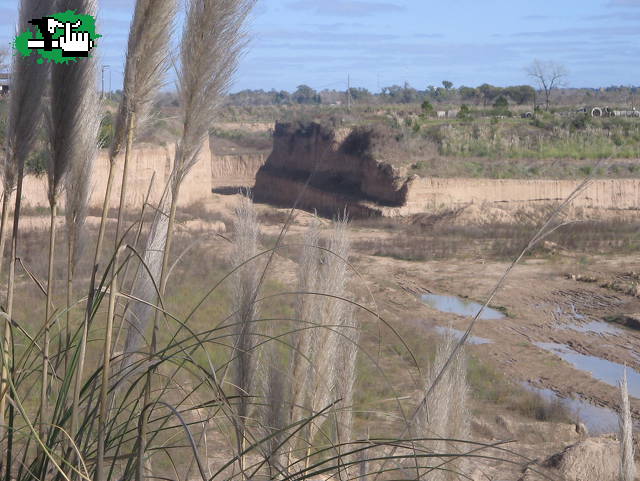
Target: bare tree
x,y
548,76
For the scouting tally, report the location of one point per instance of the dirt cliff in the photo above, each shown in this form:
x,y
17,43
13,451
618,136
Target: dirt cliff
x,y
342,171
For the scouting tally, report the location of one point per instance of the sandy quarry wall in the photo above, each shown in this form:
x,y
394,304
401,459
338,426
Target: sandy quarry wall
x,y
236,169
145,161
380,191
428,194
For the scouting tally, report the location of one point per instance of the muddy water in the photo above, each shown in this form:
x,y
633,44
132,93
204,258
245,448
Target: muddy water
x,y
461,307
581,323
598,419
596,327
601,369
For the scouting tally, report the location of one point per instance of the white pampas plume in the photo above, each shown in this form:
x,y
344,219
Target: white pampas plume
x,y
445,413
147,63
72,126
323,364
627,462
28,85
245,283
212,43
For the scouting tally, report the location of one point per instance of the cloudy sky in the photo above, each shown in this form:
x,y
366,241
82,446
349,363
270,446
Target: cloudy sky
x,y
384,42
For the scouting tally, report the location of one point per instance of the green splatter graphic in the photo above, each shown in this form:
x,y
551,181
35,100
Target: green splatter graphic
x,y
88,24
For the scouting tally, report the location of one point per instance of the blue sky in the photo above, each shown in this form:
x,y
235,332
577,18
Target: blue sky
x,y
385,42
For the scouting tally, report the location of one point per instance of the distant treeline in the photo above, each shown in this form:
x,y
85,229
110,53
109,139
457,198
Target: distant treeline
x,y
441,97
395,94
485,94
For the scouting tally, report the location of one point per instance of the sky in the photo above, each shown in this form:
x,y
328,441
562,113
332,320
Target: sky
x,y
379,43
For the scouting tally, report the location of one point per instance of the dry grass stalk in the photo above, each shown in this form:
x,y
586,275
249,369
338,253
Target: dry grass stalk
x,y
445,414
25,115
146,66
212,43
245,284
145,69
627,462
77,193
330,317
71,129
322,368
274,403
308,267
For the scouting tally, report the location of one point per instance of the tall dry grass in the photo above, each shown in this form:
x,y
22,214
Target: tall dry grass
x,y
627,451
147,61
25,116
73,122
245,286
445,415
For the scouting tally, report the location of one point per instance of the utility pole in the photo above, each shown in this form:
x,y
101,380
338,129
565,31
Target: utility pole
x,y
349,92
102,79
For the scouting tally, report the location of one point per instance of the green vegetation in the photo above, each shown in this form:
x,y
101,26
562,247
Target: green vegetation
x,y
549,138
489,385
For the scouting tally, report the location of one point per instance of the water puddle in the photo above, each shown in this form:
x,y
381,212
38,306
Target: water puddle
x,y
461,307
597,327
586,325
475,340
601,369
598,420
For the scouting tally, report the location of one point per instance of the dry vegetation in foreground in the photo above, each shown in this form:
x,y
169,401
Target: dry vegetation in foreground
x,y
139,352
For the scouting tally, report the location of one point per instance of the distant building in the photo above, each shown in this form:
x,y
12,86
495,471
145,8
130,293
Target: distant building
x,y
4,83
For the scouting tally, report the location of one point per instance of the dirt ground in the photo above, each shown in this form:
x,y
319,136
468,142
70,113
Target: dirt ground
x,y
533,295
546,300
541,297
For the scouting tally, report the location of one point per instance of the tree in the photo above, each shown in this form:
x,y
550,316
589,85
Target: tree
x,y
359,94
548,76
446,84
282,97
464,113
489,93
468,93
427,109
305,95
520,94
501,103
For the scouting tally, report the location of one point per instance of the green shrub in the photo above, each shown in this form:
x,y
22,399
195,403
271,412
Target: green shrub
x,y
464,113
